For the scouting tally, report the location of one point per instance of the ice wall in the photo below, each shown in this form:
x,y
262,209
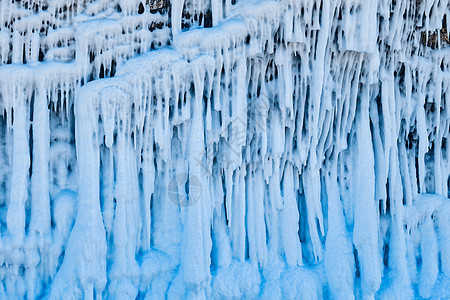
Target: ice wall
x,y
278,149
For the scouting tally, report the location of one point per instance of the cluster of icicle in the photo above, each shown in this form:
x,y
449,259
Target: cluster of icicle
x,y
296,149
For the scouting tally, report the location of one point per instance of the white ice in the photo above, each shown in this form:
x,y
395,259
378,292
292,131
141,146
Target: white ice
x,y
229,149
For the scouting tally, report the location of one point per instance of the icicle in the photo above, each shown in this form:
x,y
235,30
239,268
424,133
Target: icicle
x,y
193,264
397,248
429,251
339,261
40,220
239,226
290,219
408,194
148,179
124,269
15,219
222,252
89,228
311,187
423,143
40,215
380,164
177,11
443,221
365,230
217,13
108,191
255,216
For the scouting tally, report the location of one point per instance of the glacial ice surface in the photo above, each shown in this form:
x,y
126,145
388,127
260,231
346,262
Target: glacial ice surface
x,y
294,149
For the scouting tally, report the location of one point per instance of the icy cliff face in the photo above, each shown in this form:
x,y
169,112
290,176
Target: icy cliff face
x,y
279,149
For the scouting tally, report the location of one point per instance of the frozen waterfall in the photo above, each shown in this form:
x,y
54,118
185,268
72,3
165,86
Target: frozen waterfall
x,y
224,149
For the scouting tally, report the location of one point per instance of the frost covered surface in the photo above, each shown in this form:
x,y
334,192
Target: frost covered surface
x,y
295,149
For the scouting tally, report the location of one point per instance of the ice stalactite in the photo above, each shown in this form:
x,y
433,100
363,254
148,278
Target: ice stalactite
x,y
338,261
295,149
365,230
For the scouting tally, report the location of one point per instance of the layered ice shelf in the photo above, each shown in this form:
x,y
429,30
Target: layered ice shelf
x,y
224,149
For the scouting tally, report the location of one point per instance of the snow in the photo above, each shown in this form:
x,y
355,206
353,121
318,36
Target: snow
x,y
295,149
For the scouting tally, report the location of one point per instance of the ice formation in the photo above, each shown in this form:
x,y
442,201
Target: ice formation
x,y
224,149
